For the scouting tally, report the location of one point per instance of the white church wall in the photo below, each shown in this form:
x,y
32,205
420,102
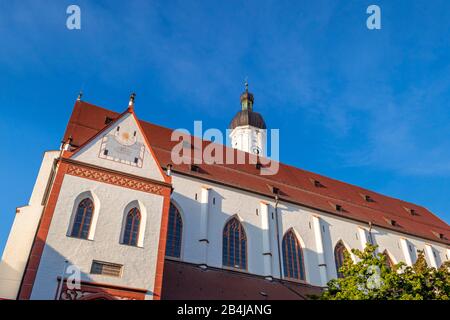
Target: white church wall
x,y
224,203
23,230
392,242
388,241
230,201
139,263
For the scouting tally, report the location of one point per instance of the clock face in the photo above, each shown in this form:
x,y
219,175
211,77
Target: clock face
x,y
256,150
123,147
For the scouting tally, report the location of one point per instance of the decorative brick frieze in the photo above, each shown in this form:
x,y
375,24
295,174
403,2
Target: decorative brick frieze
x,y
117,179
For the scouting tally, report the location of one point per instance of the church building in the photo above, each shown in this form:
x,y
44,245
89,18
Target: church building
x,y
110,206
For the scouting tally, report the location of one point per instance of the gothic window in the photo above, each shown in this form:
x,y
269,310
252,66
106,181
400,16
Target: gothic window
x,y
83,219
234,245
339,254
132,224
388,261
293,263
174,233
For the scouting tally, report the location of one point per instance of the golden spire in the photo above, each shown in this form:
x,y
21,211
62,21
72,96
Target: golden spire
x,y
247,98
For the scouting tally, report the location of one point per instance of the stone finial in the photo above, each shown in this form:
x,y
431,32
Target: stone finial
x,y
131,103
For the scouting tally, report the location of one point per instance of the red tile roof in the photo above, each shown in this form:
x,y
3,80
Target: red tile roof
x,y
185,281
296,185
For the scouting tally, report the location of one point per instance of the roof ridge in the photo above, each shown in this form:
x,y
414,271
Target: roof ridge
x,y
294,168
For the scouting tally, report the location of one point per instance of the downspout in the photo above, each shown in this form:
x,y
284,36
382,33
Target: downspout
x,y
278,235
370,233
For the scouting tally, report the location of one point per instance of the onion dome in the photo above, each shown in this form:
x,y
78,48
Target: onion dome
x,y
247,117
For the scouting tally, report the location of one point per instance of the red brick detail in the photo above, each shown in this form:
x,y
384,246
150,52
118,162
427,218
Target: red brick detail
x,y
41,235
161,248
117,179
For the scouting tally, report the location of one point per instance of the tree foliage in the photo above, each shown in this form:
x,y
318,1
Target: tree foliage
x,y
371,278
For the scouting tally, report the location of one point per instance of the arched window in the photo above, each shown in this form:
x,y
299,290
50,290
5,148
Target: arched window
x,y
83,219
132,224
339,251
174,233
234,252
388,261
293,264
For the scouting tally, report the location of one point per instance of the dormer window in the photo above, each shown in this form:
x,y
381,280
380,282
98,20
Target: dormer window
x,y
339,208
411,211
108,120
438,235
317,183
392,222
368,198
274,189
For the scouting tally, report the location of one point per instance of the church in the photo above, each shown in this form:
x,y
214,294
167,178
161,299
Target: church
x,y
110,206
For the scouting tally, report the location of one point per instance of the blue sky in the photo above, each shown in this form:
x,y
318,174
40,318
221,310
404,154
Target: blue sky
x,y
366,107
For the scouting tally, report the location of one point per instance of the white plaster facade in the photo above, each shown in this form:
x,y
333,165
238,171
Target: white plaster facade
x,y
318,232
249,139
138,262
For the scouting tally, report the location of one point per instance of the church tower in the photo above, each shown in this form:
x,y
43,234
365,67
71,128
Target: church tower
x,y
248,129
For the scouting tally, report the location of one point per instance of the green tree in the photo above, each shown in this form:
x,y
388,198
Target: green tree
x,y
371,278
